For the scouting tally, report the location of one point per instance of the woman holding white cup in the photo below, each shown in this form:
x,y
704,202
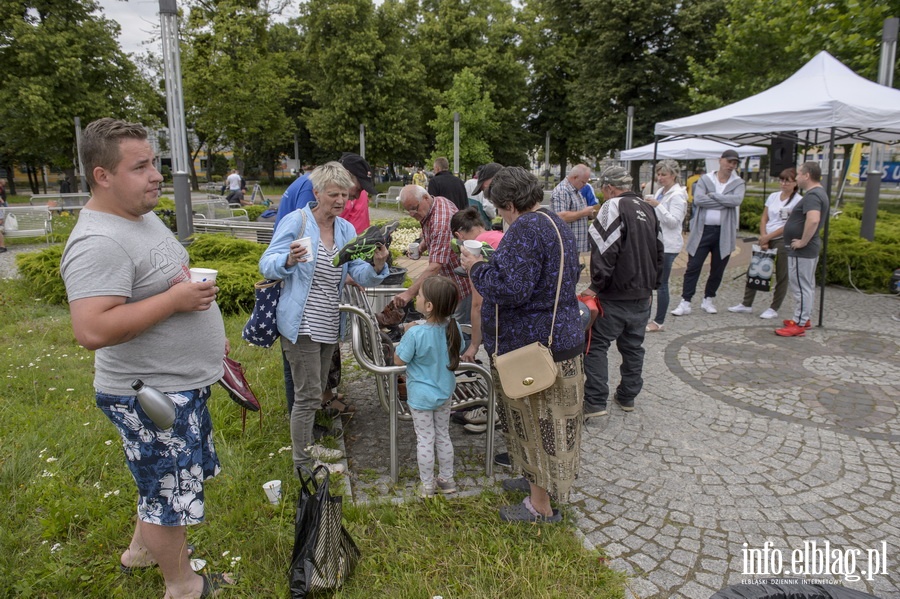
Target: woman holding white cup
x,y
308,318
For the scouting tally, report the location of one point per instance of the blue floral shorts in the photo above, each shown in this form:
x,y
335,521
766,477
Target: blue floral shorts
x,y
169,466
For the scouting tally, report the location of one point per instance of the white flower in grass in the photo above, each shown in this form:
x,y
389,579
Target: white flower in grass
x,y
271,455
57,546
51,459
52,389
108,442
96,485
69,390
47,474
225,553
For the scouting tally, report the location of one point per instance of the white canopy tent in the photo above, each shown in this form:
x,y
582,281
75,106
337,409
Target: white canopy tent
x,y
688,149
822,95
823,102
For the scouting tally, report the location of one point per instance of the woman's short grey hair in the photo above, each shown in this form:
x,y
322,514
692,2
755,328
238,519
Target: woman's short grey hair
x,y
514,187
331,173
668,167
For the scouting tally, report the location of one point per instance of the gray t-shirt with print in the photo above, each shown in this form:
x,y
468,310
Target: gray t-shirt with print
x,y
107,255
815,199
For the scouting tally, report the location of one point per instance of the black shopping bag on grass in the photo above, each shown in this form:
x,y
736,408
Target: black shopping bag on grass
x,y
324,553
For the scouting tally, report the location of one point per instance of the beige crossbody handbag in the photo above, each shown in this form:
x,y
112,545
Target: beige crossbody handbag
x,y
529,369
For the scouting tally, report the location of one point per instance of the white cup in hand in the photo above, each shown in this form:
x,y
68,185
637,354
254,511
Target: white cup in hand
x,y
473,247
304,242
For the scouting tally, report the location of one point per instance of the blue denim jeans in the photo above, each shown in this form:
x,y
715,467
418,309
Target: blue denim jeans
x,y
662,294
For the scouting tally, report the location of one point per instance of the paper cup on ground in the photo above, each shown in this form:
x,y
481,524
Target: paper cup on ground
x,y
273,491
413,251
473,247
201,275
305,242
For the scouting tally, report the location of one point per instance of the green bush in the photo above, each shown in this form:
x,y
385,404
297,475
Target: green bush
x,y
254,211
41,270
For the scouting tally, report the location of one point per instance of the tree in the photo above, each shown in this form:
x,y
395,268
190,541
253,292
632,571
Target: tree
x,y
551,49
483,36
477,124
631,53
58,60
235,89
760,43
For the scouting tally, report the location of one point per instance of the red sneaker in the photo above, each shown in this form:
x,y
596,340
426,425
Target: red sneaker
x,y
791,329
788,323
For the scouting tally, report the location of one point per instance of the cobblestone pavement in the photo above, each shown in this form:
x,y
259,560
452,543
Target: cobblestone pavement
x,y
739,437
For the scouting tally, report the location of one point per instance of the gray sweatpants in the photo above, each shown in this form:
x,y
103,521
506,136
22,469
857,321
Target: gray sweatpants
x,y
433,433
802,276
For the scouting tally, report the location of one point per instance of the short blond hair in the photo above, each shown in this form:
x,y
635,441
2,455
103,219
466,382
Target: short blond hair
x,y
331,173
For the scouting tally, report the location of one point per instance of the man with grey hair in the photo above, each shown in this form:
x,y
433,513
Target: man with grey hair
x,y
714,223
626,266
434,213
567,201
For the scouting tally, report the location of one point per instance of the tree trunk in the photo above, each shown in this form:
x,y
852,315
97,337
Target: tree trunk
x,y
32,179
10,180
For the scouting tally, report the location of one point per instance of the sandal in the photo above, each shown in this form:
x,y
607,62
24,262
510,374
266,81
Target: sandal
x,y
653,327
214,582
129,570
524,512
337,403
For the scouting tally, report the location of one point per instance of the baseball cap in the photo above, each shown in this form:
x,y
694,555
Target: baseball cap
x,y
360,169
730,155
487,172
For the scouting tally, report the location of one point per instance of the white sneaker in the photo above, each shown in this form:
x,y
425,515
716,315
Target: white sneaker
x,y
741,308
708,306
683,309
476,416
321,452
335,468
769,314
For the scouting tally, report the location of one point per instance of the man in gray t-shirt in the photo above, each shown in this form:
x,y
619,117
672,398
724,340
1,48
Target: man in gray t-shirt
x,y
802,242
131,300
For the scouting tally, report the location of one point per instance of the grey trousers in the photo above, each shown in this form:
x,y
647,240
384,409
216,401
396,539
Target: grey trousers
x,y
802,275
309,363
781,278
625,323
433,436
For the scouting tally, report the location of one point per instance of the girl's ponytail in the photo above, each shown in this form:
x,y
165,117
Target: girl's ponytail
x,y
454,343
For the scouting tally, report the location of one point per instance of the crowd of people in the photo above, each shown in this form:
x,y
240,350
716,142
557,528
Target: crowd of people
x,y
131,300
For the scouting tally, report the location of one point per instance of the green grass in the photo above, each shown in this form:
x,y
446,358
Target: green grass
x,y
67,500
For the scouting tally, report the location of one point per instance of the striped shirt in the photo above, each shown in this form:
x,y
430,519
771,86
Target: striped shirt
x,y
321,317
437,236
565,198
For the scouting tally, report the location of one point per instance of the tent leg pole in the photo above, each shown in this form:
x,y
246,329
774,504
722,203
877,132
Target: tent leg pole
x,y
827,216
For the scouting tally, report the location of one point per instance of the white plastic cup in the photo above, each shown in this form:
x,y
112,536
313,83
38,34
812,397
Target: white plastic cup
x,y
473,247
273,491
413,251
305,242
201,275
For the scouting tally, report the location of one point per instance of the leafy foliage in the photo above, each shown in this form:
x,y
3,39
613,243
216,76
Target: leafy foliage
x,y
477,122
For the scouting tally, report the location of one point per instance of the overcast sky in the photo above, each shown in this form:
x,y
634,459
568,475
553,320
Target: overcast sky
x,y
139,20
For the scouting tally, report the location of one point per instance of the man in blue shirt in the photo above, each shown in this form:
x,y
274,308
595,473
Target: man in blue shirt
x,y
587,192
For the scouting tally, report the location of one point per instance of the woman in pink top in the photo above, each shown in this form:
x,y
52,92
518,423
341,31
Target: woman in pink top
x,y
465,225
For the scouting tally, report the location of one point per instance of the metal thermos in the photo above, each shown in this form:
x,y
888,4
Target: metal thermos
x,y
158,406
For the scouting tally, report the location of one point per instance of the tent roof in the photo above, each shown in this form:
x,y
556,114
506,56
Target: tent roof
x,y
689,149
822,94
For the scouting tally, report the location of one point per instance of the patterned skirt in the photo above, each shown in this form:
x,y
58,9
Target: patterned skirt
x,y
543,430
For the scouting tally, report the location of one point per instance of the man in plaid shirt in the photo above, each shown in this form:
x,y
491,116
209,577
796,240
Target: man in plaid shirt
x,y
571,206
434,213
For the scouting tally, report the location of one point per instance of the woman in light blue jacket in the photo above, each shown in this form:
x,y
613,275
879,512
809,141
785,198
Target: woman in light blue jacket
x,y
308,316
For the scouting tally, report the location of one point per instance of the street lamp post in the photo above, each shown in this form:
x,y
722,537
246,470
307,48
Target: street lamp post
x,y
168,19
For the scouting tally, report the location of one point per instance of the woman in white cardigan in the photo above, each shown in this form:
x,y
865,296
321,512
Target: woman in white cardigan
x,y
670,204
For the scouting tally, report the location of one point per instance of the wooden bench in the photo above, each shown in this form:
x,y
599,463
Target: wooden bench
x,y
31,221
474,390
391,197
59,202
258,232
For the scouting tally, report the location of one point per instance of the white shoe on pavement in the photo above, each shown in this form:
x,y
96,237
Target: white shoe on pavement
x,y
769,314
741,308
683,309
708,306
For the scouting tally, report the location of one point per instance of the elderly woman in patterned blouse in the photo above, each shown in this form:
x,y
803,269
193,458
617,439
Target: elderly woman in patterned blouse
x,y
542,430
308,318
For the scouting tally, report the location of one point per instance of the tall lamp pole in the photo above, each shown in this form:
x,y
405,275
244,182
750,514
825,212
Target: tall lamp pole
x,y
168,18
456,143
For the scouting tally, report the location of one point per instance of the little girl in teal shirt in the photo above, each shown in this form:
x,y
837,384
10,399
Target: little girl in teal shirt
x,y
430,352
